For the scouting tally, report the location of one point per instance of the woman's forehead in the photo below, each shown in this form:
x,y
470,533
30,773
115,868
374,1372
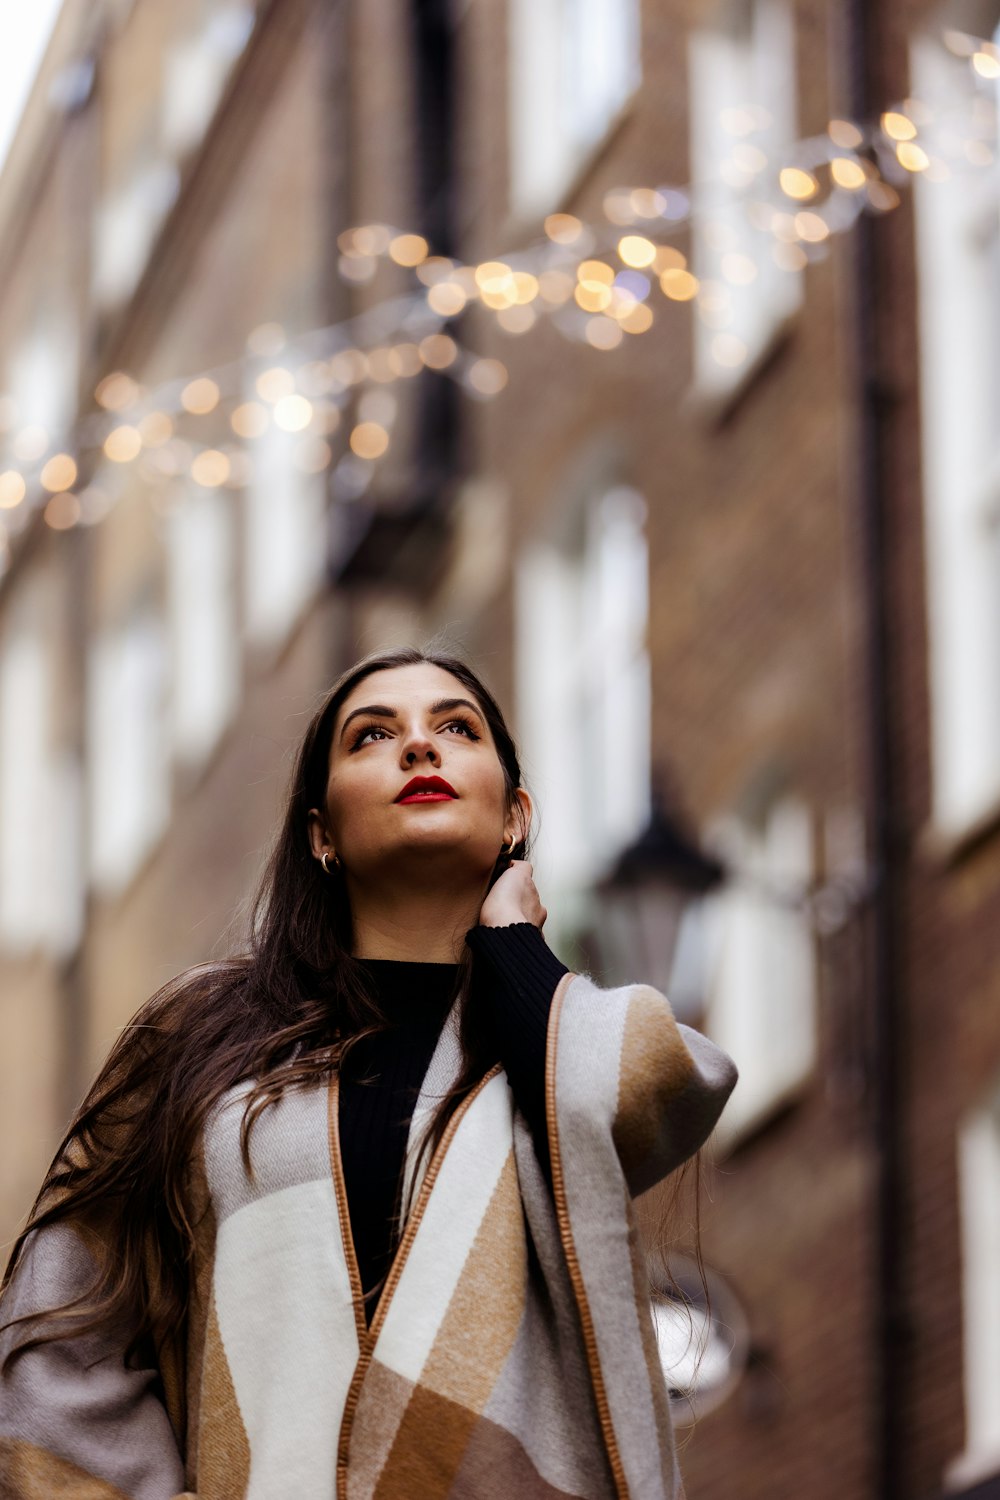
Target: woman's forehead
x,y
419,684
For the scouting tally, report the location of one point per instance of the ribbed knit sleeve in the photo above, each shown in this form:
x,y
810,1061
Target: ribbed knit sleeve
x,y
517,975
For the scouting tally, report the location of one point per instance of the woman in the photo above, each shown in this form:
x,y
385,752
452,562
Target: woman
x,y
350,1215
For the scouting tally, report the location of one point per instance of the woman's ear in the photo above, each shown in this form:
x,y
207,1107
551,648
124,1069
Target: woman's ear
x,y
522,813
319,839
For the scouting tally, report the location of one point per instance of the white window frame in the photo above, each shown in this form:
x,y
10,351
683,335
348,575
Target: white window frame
x,y
195,71
284,537
583,694
960,432
43,368
126,224
25,822
978,1160
41,898
750,951
743,62
128,758
574,65
204,630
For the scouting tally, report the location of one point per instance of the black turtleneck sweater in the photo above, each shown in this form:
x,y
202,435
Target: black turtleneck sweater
x,y
514,976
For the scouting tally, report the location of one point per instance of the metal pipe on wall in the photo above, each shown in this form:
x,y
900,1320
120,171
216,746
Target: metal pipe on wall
x,y
859,22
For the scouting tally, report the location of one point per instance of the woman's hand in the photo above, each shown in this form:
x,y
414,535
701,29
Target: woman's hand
x,y
513,898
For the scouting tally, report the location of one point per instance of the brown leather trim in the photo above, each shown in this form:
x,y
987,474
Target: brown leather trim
x,y
392,1280
340,1187
569,1249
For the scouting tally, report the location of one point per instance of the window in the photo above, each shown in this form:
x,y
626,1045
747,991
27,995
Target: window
x,y
25,703
285,535
41,885
573,65
584,691
126,225
195,73
979,1197
44,367
180,100
958,252
748,953
743,115
203,627
128,752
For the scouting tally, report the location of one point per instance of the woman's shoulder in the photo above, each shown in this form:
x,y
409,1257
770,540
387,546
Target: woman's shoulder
x,y
187,998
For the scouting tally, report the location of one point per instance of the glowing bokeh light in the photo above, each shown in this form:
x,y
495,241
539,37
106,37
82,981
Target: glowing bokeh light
x,y
811,227
487,377
603,333
266,340
913,157
845,135
408,249
155,429
679,285
312,455
796,182
638,320
210,468
62,512
898,127
563,229
517,319
293,413
847,173
250,419
986,64
438,351
636,250
446,298
12,489
200,396
116,391
123,444
59,473
369,440
273,384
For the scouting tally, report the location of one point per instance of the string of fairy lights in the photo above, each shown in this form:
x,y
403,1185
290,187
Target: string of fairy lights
x,y
328,397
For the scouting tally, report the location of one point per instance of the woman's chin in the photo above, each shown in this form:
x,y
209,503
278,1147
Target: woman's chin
x,y
421,850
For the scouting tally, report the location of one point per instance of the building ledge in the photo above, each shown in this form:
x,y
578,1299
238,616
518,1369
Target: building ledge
x,y
943,848
974,1475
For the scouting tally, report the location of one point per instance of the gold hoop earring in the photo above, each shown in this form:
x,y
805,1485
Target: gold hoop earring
x,y
510,850
323,861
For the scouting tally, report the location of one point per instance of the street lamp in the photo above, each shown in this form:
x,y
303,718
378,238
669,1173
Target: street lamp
x,y
643,898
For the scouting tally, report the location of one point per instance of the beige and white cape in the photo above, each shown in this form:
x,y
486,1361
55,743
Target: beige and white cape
x,y
512,1351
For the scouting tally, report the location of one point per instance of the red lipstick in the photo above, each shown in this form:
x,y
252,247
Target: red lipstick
x,y
427,789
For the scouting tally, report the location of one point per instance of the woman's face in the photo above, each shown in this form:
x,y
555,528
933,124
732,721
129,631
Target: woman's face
x,y
397,724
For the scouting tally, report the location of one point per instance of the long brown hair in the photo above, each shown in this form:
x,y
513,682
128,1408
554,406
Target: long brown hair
x,y
283,1012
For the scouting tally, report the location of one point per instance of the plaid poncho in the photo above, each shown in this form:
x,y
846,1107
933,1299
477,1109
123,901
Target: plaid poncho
x,y
512,1351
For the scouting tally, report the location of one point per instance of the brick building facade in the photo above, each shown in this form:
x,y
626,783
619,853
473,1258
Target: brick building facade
x,y
712,559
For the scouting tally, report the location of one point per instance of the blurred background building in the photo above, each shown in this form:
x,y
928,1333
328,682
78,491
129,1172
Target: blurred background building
x,y
646,353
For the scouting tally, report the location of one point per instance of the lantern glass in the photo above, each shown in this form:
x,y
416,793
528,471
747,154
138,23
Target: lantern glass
x,y
638,926
703,1342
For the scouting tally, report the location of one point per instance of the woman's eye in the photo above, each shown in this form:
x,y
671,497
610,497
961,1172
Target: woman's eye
x,y
463,724
364,733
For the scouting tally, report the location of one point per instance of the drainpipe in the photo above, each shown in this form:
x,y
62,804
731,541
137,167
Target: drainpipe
x,y
859,21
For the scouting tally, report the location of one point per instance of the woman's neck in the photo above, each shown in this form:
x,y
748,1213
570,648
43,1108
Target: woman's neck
x,y
427,928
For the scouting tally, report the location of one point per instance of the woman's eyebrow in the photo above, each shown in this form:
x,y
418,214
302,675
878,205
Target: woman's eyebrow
x,y
382,711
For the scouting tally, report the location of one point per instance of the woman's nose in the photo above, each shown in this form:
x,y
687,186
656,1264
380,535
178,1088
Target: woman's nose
x,y
418,744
